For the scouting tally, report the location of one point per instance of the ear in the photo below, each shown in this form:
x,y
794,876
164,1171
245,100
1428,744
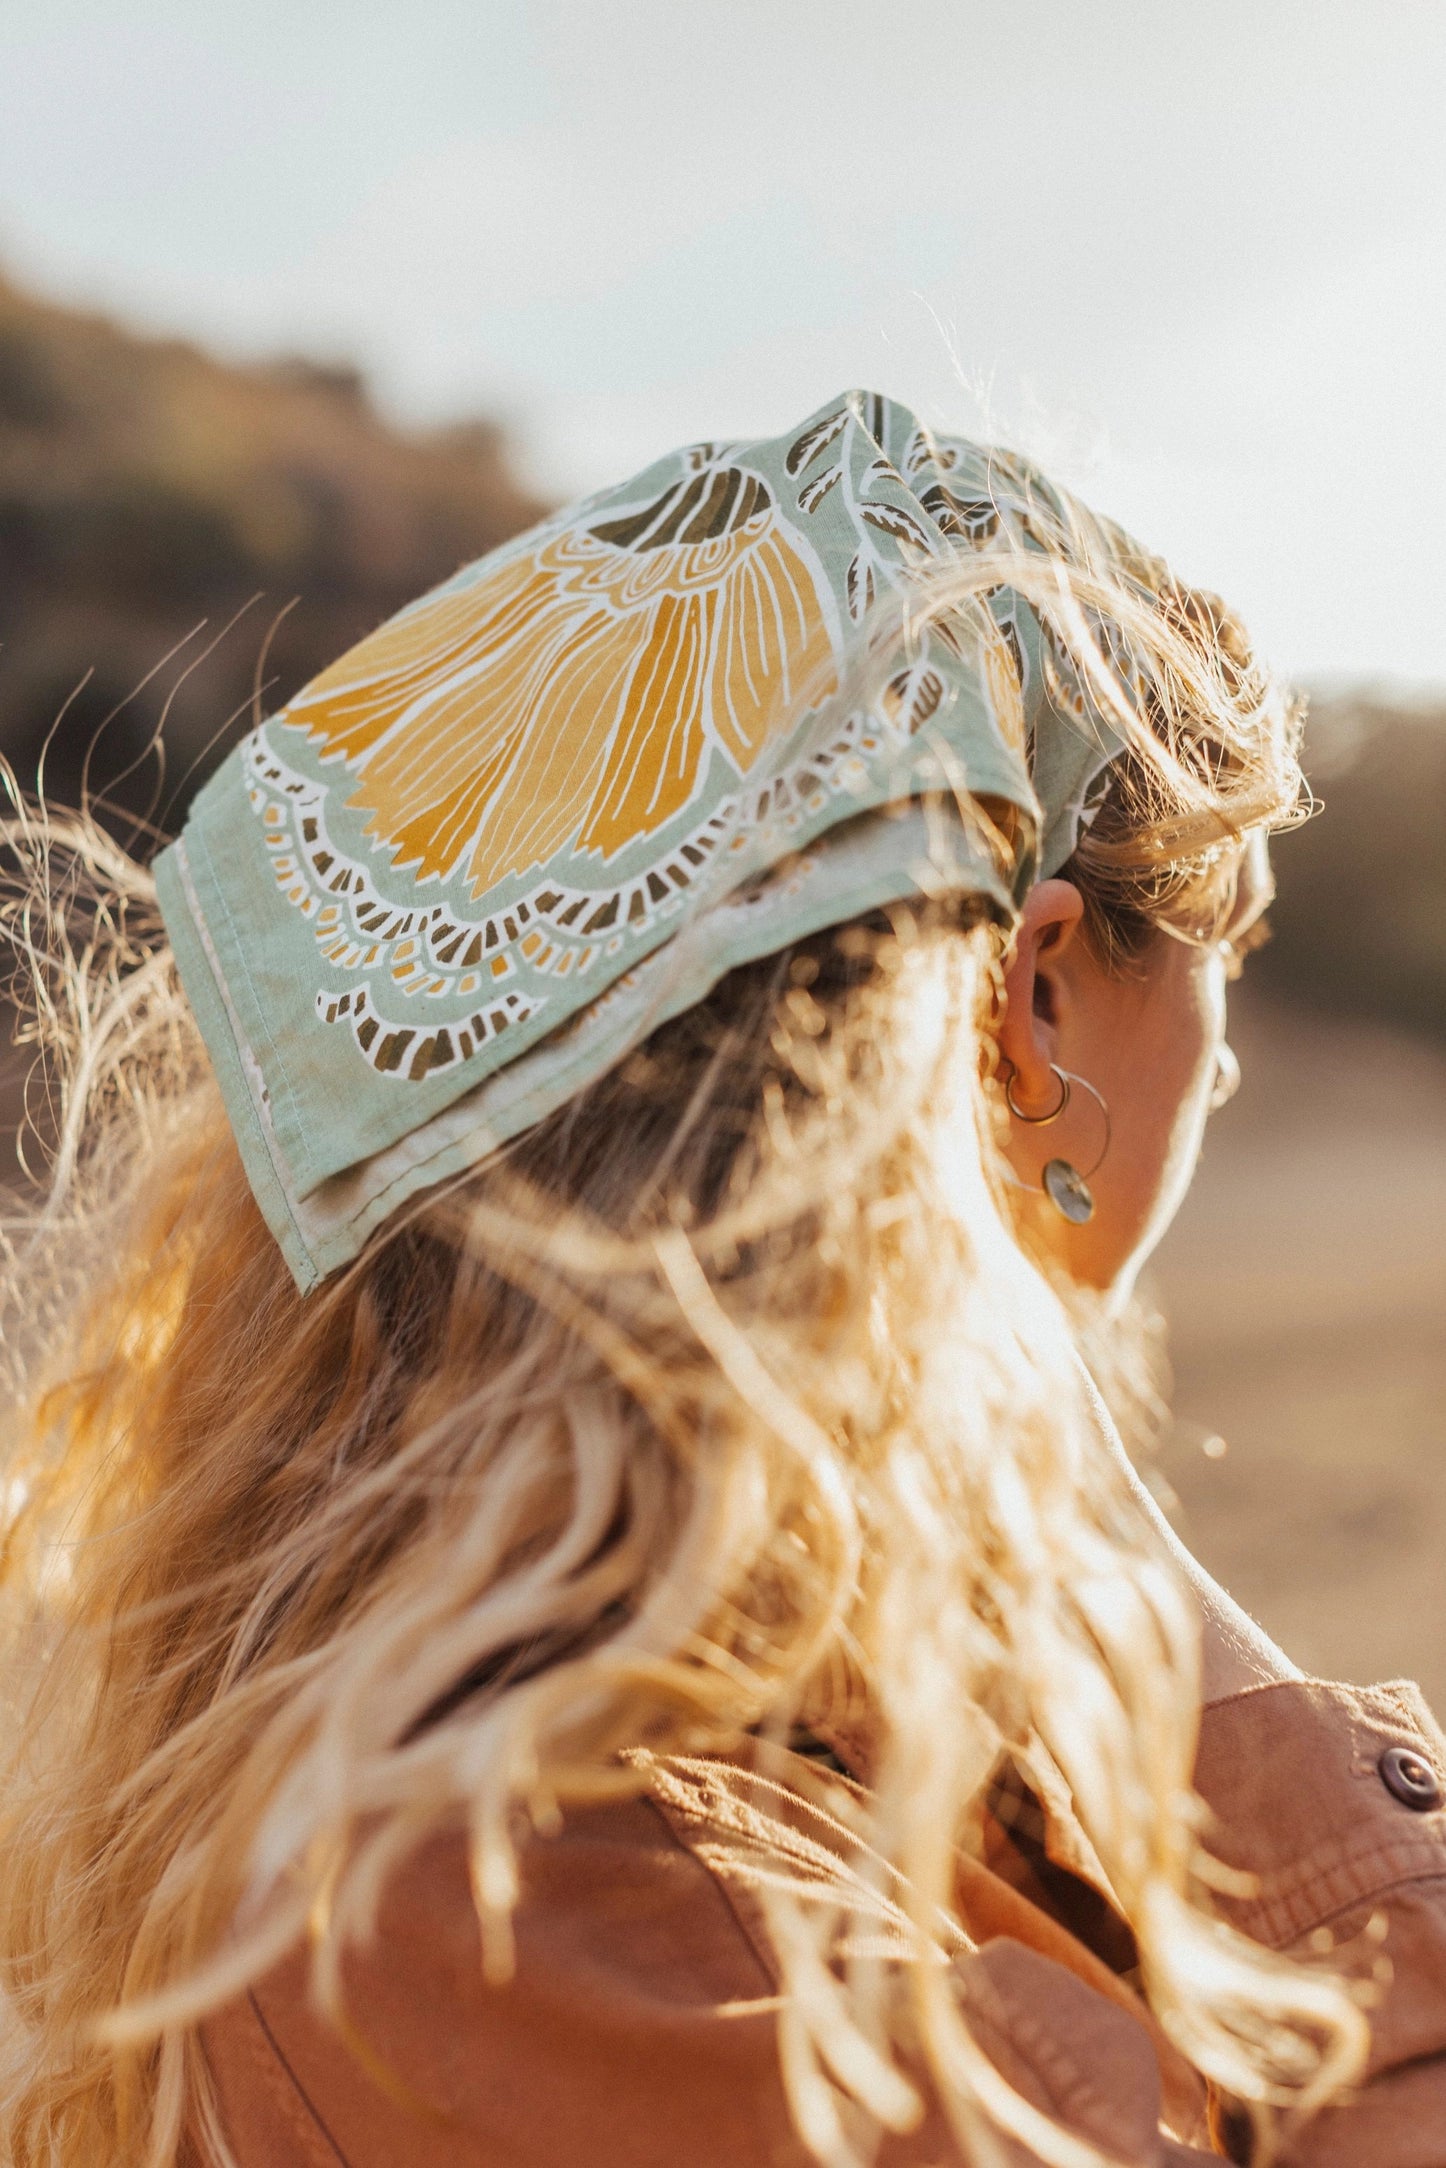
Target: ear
x,y
1029,1031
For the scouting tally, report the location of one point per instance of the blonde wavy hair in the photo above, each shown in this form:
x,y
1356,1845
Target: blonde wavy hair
x,y
722,1402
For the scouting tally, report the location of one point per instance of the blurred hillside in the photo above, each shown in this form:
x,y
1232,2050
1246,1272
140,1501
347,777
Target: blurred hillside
x,y
1359,927
147,490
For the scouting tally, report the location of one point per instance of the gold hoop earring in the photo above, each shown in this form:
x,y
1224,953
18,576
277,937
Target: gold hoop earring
x,y
1067,1189
1038,1121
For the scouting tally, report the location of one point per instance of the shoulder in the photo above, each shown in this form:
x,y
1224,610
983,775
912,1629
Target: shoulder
x,y
640,2025
640,2014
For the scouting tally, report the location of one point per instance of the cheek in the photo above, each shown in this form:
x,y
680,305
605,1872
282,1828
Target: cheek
x,y
1188,1028
1156,1044
1157,1047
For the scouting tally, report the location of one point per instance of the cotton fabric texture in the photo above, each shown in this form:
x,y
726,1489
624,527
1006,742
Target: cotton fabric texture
x,y
547,806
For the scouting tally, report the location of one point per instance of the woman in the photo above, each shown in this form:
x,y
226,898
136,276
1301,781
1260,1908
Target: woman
x,y
570,1594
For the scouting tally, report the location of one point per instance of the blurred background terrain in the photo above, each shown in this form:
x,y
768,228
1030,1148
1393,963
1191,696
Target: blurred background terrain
x,y
187,538
151,497
1305,1283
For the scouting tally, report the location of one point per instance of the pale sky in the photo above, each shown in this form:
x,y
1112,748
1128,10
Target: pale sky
x,y
1192,256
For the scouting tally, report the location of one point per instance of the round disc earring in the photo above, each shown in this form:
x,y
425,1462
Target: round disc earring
x,y
1067,1189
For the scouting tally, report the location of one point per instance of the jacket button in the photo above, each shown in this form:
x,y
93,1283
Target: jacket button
x,y
1410,1779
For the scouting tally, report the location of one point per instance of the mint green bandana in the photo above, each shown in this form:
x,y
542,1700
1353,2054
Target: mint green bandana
x,y
551,803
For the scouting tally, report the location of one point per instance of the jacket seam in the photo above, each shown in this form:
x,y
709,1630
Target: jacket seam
x,y
1403,1882
1325,1892
756,1948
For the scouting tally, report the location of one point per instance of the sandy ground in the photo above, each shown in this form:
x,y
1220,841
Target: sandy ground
x,y
1305,1281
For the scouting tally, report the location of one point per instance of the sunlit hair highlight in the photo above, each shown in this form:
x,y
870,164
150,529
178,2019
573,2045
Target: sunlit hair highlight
x,y
721,1403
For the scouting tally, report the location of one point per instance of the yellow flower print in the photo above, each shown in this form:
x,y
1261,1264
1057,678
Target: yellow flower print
x,y
569,700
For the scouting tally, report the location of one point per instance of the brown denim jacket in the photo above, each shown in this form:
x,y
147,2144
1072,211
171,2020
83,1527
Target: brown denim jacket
x,y
640,2029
